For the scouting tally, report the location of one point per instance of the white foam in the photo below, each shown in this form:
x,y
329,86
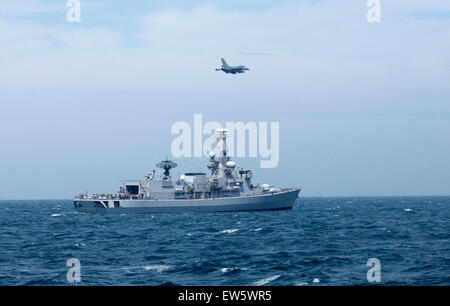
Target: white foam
x,y
258,229
266,280
407,209
229,231
55,215
316,280
301,284
157,268
228,269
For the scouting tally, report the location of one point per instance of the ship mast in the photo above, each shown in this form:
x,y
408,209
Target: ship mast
x,y
221,151
220,165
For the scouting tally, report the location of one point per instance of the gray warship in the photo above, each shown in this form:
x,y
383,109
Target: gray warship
x,y
228,188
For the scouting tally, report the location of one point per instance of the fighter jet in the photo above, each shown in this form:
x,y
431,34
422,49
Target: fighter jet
x,y
231,69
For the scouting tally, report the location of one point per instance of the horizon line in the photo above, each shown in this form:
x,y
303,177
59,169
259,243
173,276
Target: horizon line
x,y
331,196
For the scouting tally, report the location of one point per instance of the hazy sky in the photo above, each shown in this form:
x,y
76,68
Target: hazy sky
x,y
364,108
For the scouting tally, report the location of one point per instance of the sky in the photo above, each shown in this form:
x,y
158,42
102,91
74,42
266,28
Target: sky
x,y
363,108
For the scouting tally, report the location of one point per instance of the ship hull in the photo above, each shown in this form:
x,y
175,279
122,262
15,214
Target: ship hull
x,y
275,201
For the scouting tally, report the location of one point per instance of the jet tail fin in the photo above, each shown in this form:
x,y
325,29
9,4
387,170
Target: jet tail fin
x,y
224,63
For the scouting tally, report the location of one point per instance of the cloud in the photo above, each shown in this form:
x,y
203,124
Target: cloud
x,y
323,46
27,7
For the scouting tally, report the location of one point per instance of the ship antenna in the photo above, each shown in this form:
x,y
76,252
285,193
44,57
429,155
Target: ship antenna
x,y
166,165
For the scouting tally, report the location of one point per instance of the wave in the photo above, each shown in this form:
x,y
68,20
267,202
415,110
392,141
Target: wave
x,y
232,269
158,268
299,245
266,280
229,231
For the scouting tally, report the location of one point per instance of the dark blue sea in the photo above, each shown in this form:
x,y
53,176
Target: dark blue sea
x,y
322,241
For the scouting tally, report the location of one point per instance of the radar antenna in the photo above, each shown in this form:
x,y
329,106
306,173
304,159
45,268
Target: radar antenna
x,y
166,165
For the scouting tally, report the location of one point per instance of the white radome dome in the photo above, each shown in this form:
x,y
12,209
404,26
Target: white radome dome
x,y
230,164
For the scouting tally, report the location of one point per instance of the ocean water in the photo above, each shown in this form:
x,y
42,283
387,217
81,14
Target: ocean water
x,y
322,241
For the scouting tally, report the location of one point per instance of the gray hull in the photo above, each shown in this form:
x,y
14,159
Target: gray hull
x,y
275,201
